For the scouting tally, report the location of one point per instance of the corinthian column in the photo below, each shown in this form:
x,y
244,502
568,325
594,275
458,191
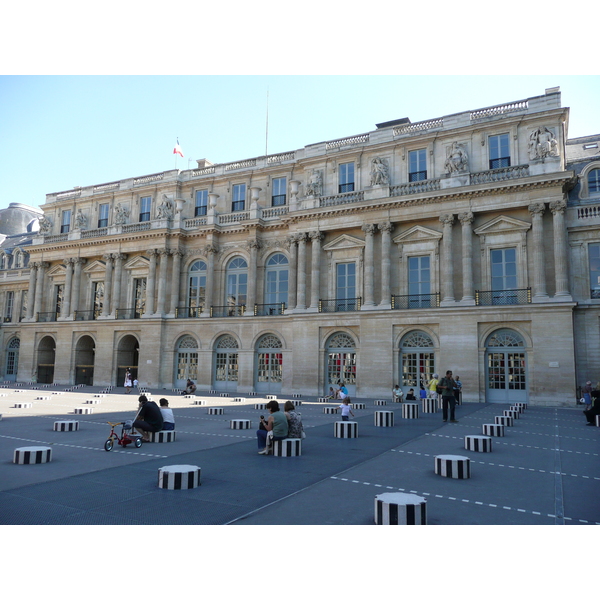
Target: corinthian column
x,y
369,267
162,281
116,295
447,274
33,267
211,251
175,281
151,283
301,293
466,220
39,287
386,244
253,247
315,238
558,208
537,228
107,284
78,262
66,305
293,273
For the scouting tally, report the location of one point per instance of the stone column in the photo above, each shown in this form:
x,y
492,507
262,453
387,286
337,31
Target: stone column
x,y
386,245
116,295
253,247
211,251
162,280
369,268
539,271
315,238
290,242
151,283
466,220
447,274
33,267
558,208
66,305
107,284
78,262
175,281
301,291
39,288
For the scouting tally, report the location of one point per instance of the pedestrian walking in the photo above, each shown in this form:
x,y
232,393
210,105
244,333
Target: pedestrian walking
x,y
447,386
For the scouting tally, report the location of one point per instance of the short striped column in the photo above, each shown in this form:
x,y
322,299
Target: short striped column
x,y
296,395
99,395
597,420
179,477
93,401
83,410
296,402
493,429
239,400
358,405
260,406
252,393
384,418
240,424
380,402
215,410
323,399
66,425
478,443
32,455
429,405
506,421
287,447
57,393
345,429
162,437
453,466
511,413
330,410
271,397
523,405
410,411
43,398
518,409
199,402
224,395
23,404
189,396
397,508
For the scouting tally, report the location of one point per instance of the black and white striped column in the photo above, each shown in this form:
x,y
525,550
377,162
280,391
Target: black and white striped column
x,y
455,467
410,410
287,447
384,418
239,400
260,406
83,410
511,413
506,421
397,508
179,477
522,405
358,405
271,397
240,424
32,455
518,409
380,402
345,429
23,404
493,429
478,443
162,437
323,399
199,402
330,410
66,425
429,405
215,410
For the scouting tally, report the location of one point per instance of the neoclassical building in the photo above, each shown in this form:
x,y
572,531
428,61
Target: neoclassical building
x,y
468,242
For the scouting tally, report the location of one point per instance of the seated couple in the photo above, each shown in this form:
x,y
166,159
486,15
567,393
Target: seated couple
x,y
278,426
151,418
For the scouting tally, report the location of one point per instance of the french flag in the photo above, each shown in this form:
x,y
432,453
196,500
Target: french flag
x,y
177,149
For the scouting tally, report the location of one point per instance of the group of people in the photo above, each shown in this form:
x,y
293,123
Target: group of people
x,y
340,394
130,382
591,399
152,418
278,426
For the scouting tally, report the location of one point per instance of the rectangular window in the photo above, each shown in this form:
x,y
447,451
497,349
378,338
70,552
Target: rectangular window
x,y
98,298
499,151
504,276
594,181
594,260
65,223
201,206
59,292
346,287
278,190
419,282
239,197
139,297
24,296
417,165
145,207
346,178
103,215
8,308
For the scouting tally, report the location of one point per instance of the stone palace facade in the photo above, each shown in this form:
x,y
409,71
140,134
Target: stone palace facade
x,y
468,242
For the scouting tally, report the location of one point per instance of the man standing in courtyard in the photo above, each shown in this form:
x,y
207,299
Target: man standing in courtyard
x,y
447,387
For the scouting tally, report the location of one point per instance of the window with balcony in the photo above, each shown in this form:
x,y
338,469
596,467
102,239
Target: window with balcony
x,y
593,181
499,151
276,284
237,283
417,165
145,208
196,288
103,215
201,205
346,181
594,266
419,282
279,191
238,197
8,307
65,223
504,275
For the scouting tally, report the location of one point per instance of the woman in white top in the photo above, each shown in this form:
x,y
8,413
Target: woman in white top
x,y
167,413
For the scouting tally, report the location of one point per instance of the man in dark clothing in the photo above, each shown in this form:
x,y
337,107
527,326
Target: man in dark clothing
x,y
447,387
594,410
149,418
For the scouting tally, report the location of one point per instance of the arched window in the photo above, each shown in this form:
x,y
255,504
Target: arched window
x,y
12,359
341,362
276,282
417,359
196,292
187,360
237,282
226,364
506,364
269,364
594,181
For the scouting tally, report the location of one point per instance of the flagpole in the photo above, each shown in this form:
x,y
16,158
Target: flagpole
x,y
267,127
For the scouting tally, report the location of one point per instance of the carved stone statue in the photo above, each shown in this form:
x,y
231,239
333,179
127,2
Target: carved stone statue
x,y
80,220
121,214
45,224
542,143
457,159
379,172
314,187
165,208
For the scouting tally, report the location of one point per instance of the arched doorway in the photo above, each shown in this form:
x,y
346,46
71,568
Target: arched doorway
x,y
341,363
506,367
226,364
417,360
187,361
128,351
12,359
46,359
85,353
269,364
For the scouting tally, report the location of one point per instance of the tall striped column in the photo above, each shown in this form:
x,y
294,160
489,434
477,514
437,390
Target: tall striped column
x,y
397,508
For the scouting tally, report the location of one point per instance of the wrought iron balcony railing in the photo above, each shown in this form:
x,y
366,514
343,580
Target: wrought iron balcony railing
x,y
503,297
45,317
415,301
262,310
86,315
227,311
188,312
128,313
339,305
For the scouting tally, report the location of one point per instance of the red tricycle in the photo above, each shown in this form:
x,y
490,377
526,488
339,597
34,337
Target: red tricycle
x,y
126,436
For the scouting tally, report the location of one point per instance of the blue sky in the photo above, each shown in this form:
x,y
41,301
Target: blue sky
x,y
57,132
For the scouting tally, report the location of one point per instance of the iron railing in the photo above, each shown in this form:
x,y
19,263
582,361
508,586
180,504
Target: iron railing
x,y
503,297
46,317
188,312
406,302
86,315
339,305
128,313
263,310
227,311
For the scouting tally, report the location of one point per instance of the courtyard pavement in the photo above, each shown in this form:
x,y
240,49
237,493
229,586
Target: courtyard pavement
x,y
545,471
